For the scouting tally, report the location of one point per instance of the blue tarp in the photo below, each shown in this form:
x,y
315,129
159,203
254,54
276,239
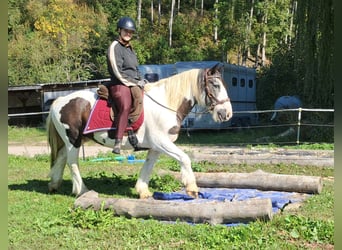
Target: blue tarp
x,y
279,199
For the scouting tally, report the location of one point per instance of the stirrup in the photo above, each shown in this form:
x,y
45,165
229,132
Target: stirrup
x,y
116,151
117,147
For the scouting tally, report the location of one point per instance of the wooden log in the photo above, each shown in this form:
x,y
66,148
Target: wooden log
x,y
213,212
260,180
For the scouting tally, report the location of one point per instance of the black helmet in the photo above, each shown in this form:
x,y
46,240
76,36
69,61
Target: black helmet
x,y
126,23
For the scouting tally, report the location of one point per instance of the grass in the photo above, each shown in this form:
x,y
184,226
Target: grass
x,y
38,220
26,135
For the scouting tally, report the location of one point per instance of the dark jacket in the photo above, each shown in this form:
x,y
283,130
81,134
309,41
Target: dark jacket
x,y
122,64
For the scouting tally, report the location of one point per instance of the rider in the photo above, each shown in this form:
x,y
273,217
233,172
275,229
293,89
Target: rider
x,y
123,68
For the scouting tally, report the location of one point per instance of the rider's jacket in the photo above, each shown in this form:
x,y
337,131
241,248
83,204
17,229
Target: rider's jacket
x,y
122,64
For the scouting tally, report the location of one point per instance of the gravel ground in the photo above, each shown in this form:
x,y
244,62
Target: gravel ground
x,y
230,155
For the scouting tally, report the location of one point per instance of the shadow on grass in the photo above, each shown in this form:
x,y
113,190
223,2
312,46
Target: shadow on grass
x,y
112,186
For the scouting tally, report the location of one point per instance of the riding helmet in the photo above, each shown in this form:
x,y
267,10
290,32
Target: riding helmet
x,y
126,23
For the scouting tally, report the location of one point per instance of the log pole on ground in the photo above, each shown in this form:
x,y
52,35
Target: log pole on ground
x,y
259,180
212,212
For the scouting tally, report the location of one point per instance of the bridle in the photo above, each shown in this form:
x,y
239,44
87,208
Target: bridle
x,y
209,95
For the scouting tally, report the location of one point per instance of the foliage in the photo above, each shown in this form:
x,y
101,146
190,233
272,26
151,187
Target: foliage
x,y
308,229
314,53
56,47
277,79
289,42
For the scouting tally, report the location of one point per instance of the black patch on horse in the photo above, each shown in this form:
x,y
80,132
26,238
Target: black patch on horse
x,y
182,111
75,114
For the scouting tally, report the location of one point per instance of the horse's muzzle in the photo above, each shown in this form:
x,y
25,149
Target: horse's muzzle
x,y
223,115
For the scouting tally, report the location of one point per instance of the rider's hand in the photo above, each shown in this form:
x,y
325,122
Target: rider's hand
x,y
142,83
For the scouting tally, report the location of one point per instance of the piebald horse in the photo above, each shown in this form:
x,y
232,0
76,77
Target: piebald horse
x,y
166,103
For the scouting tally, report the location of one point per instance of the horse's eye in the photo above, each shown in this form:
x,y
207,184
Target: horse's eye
x,y
216,86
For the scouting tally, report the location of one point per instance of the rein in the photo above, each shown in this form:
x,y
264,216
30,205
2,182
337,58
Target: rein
x,y
162,105
175,111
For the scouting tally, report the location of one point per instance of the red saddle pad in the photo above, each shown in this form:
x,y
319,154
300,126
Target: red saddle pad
x,y
99,118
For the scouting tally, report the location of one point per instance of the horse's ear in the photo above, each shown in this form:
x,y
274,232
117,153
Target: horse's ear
x,y
217,68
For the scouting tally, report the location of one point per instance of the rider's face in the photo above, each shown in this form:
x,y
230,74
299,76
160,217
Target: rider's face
x,y
126,35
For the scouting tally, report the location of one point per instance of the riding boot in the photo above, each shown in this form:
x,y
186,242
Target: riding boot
x,y
117,146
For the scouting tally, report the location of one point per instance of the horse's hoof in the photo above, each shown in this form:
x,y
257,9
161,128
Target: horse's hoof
x,y
52,188
145,195
192,190
193,194
52,191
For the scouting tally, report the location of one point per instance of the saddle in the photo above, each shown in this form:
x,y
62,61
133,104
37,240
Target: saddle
x,y
137,105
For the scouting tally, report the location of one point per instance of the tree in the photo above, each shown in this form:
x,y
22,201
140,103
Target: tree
x,y
57,49
314,51
66,40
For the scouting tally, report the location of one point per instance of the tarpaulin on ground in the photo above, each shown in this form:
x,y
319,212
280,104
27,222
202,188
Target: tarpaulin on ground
x,y
279,199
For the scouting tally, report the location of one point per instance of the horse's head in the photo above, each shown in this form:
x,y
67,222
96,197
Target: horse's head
x,y
215,94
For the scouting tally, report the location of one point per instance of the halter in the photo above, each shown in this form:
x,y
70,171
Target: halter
x,y
209,95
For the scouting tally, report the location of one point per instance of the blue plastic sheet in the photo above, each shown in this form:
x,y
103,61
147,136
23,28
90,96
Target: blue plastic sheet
x,y
279,199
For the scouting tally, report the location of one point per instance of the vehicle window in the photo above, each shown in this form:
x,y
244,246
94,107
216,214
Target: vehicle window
x,y
242,82
250,83
234,81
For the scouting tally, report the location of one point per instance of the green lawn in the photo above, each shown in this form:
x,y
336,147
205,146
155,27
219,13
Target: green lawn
x,y
38,220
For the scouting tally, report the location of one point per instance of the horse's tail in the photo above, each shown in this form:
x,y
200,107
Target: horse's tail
x,y
54,139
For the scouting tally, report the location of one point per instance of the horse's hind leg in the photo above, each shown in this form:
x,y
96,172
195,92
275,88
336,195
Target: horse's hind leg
x,y
57,170
78,187
145,174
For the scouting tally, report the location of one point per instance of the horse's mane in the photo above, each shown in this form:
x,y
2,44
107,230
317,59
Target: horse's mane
x,y
176,84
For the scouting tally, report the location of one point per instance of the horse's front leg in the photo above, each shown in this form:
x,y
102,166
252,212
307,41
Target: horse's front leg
x,y
187,175
145,174
78,187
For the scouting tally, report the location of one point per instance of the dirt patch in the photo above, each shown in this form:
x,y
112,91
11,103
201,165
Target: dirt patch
x,y
239,155
217,154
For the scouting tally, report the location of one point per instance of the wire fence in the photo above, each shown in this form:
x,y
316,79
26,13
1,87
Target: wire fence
x,y
299,123
294,126
317,128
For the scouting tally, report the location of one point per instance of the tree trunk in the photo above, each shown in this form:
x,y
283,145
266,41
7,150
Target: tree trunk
x,y
152,12
263,48
139,13
248,32
159,12
292,13
202,4
171,22
215,28
213,212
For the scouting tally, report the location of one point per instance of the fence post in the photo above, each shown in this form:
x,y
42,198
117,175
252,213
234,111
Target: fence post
x,y
298,124
83,154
